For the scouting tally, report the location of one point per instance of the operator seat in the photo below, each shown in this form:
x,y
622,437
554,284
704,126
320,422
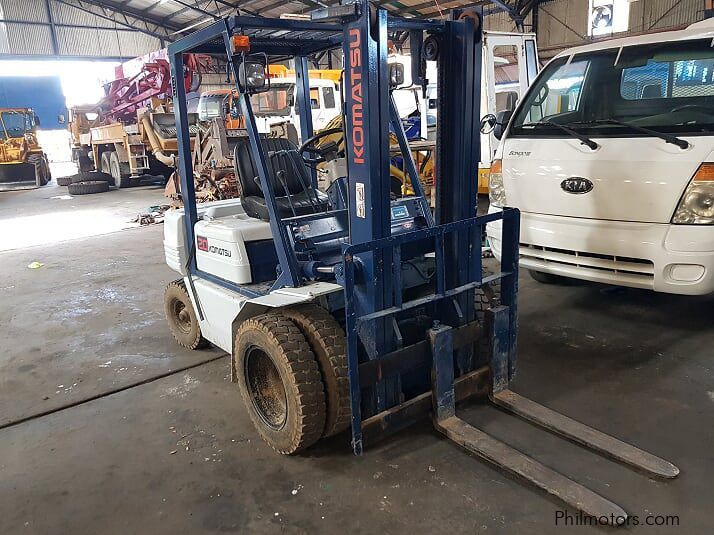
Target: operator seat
x,y
294,194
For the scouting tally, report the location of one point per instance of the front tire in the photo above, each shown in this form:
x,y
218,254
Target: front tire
x,y
42,170
181,317
545,278
327,341
119,170
279,381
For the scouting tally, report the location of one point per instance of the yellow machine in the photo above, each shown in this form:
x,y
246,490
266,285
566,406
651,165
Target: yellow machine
x,y
23,164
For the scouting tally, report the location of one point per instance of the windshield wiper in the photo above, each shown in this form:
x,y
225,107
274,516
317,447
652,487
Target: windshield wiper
x,y
668,138
585,140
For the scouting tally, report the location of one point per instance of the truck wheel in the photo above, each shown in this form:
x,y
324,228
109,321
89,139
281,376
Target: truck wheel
x,y
104,166
119,170
545,278
181,317
327,341
64,180
85,188
279,381
41,169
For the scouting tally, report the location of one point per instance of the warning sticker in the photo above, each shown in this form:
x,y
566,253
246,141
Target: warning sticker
x,y
359,198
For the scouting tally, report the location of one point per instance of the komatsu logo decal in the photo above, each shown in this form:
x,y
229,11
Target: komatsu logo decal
x,y
356,96
202,245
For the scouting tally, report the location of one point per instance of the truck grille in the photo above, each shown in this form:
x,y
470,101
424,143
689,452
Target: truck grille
x,y
566,257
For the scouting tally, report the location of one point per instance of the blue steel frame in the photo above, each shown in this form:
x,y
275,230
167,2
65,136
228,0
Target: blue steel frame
x,y
372,260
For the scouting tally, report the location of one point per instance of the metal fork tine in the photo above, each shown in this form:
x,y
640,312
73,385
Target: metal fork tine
x,y
584,435
515,462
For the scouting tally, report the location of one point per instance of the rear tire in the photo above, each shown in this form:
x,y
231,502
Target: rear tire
x,y
119,170
86,188
279,381
546,278
327,341
181,317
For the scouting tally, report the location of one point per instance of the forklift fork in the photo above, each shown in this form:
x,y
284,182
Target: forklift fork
x,y
513,461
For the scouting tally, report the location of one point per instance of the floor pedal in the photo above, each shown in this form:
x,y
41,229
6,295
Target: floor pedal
x,y
584,435
515,462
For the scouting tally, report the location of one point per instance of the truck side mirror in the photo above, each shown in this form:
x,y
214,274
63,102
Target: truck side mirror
x,y
37,120
502,120
488,123
396,75
60,119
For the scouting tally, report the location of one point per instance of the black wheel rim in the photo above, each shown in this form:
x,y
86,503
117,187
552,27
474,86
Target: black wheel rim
x,y
266,388
182,316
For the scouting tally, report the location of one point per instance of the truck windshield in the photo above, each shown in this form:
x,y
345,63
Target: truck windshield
x,y
209,106
15,124
276,101
663,87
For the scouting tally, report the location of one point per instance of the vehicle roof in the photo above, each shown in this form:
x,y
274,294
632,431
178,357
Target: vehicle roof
x,y
699,30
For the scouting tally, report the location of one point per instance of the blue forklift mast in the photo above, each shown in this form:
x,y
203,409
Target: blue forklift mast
x,y
395,381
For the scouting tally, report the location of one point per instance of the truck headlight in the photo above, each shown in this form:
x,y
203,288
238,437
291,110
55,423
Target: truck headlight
x,y
496,191
696,207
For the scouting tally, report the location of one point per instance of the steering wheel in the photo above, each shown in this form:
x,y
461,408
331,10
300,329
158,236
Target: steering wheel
x,y
706,109
309,146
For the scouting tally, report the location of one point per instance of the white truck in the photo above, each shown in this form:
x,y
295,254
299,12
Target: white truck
x,y
509,64
610,158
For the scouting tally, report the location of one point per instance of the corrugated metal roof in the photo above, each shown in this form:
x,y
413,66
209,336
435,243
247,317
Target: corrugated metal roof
x,y
30,10
64,14
28,40
561,22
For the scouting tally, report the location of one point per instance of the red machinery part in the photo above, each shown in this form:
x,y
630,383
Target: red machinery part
x,y
125,95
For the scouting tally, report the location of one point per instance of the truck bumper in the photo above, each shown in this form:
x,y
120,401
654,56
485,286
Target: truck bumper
x,y
677,259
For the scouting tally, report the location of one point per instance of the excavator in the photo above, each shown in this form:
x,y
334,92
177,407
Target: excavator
x,y
23,163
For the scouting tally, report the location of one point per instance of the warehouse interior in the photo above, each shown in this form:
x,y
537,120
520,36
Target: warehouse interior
x,y
539,175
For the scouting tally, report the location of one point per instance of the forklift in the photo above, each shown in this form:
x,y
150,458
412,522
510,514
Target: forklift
x,y
354,308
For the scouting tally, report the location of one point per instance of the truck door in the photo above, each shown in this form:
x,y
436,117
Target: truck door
x,y
510,64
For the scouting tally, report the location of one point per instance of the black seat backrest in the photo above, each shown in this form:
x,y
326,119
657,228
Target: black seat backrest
x,y
281,155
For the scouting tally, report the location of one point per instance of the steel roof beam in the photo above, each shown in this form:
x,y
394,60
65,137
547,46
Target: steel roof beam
x,y
129,18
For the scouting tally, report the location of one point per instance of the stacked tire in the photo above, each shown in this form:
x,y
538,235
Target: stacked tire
x,y
86,183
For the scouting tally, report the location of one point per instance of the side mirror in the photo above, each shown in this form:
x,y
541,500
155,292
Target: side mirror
x,y
60,119
488,123
396,75
502,120
252,75
37,120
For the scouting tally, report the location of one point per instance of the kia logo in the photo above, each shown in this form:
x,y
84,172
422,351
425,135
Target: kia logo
x,y
576,185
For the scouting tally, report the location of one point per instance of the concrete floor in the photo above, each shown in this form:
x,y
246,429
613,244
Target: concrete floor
x,y
159,452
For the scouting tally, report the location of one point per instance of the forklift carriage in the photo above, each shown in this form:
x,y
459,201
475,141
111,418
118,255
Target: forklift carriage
x,y
350,308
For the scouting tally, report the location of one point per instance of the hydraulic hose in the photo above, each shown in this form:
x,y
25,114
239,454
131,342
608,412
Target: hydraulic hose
x,y
159,154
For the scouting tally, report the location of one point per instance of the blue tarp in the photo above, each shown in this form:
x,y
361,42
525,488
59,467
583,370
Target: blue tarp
x,y
41,93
